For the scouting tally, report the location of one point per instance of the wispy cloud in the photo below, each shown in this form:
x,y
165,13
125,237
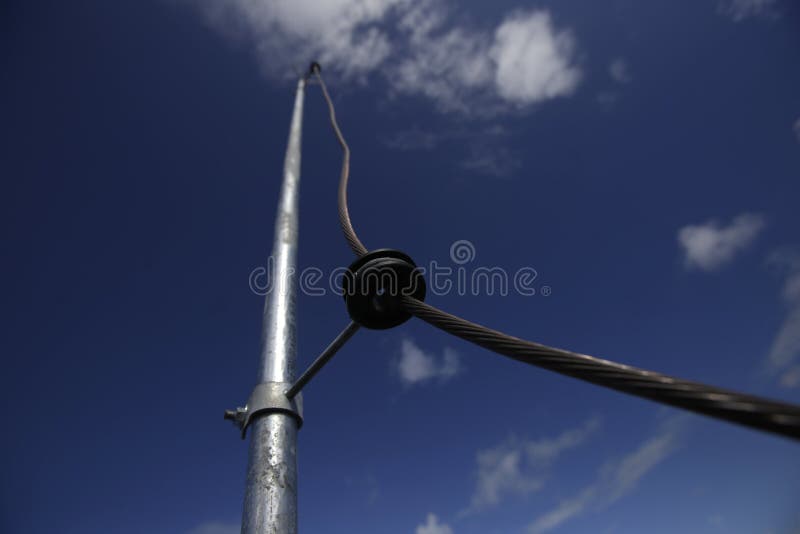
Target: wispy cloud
x,y
518,467
616,478
419,139
786,345
620,71
491,160
739,10
486,149
711,245
417,366
785,349
432,526
791,377
289,33
420,47
216,527
500,473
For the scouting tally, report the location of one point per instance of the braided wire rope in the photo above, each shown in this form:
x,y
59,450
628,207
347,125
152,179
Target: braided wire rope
x,y
748,410
344,214
756,412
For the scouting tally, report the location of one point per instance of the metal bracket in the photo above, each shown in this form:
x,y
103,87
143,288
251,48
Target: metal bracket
x,y
269,397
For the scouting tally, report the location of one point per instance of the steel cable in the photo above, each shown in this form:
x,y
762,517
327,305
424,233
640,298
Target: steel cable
x,y
344,214
763,414
755,412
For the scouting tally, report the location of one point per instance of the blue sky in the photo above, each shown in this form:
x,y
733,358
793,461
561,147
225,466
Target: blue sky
x,y
642,158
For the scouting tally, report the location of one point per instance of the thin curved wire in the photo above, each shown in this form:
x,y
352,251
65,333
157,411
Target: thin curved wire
x,y
344,214
756,412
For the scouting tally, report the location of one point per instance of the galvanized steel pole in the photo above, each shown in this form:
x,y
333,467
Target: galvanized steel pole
x,y
270,502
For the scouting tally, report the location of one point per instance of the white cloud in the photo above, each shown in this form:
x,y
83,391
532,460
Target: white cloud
x,y
785,349
432,526
447,65
619,71
416,365
517,467
500,473
287,34
739,10
545,451
615,479
216,527
563,512
534,60
417,46
709,246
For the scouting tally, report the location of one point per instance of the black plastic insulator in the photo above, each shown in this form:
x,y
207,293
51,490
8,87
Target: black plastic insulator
x,y
374,284
314,68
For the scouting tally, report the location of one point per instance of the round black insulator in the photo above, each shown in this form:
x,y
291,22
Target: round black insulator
x,y
374,284
314,68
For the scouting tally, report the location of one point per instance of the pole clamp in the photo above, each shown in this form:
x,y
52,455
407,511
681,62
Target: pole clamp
x,y
268,397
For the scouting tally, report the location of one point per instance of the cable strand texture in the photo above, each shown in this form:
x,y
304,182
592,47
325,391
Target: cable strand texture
x,y
756,412
344,214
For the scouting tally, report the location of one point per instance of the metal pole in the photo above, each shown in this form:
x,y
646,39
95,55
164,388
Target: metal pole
x,y
270,502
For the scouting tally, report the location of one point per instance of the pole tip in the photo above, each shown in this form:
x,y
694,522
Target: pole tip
x,y
314,68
